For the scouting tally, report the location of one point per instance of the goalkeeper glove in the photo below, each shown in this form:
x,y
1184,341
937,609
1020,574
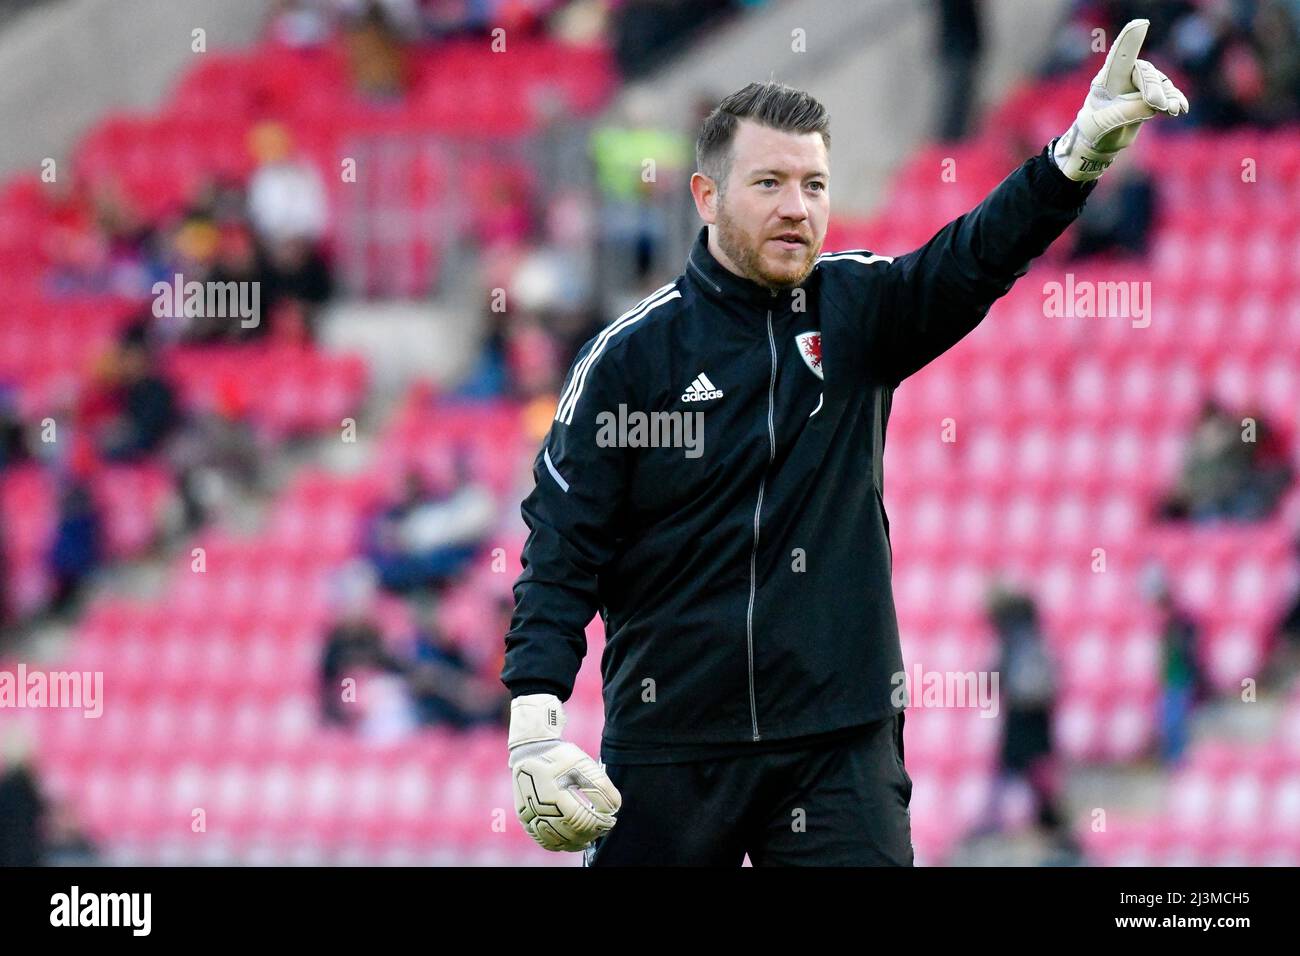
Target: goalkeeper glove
x,y
1125,94
564,798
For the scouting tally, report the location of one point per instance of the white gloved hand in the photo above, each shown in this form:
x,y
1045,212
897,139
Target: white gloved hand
x,y
1125,94
564,798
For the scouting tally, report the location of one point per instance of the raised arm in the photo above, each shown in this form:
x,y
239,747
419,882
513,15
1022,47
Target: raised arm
x,y
935,295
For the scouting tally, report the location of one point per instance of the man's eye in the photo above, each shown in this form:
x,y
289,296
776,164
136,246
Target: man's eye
x,y
762,182
820,186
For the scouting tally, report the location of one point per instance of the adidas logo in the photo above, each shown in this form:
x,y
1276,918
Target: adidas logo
x,y
701,390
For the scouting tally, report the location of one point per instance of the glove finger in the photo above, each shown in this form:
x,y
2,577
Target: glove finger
x,y
585,814
592,786
600,780
1149,83
1117,72
1173,98
551,836
1177,101
580,824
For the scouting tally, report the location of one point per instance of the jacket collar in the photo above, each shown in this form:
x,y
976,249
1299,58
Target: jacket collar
x,y
721,283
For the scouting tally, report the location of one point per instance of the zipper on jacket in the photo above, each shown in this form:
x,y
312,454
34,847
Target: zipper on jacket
x,y
758,510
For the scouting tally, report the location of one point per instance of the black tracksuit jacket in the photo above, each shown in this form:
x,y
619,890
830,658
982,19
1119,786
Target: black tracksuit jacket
x,y
745,588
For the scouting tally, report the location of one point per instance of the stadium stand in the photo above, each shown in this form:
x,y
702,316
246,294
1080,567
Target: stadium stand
x,y
1072,429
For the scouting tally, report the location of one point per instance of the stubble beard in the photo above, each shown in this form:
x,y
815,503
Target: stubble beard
x,y
738,247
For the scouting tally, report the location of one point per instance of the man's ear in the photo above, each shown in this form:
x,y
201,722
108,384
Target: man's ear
x,y
705,192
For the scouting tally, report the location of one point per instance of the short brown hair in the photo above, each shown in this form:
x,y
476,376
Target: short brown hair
x,y
772,104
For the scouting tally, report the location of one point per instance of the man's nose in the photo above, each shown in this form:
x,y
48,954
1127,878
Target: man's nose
x,y
792,205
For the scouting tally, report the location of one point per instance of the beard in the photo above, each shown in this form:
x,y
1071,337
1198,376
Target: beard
x,y
746,253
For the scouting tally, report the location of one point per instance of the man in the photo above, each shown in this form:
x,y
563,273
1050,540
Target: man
x,y
742,567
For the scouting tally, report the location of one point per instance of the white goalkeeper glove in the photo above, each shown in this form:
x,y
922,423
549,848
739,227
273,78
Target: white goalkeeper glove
x,y
562,796
1125,94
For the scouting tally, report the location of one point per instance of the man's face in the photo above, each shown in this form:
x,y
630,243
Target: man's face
x,y
770,221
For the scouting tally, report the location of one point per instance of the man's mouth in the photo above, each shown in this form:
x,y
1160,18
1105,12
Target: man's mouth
x,y
790,240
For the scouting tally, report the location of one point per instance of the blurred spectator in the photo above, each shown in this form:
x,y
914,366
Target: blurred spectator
x,y
1028,693
1119,215
633,193
296,281
13,439
1216,467
532,359
552,311
1284,656
961,42
1183,684
128,240
556,278
96,241
66,843
35,830
22,807
374,43
77,548
487,379
235,260
1272,470
443,683
143,402
1226,476
581,22
70,241
430,533
300,24
213,448
286,198
354,649
1276,36
288,209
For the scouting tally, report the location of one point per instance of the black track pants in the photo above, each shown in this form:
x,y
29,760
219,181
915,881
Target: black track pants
x,y
840,804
